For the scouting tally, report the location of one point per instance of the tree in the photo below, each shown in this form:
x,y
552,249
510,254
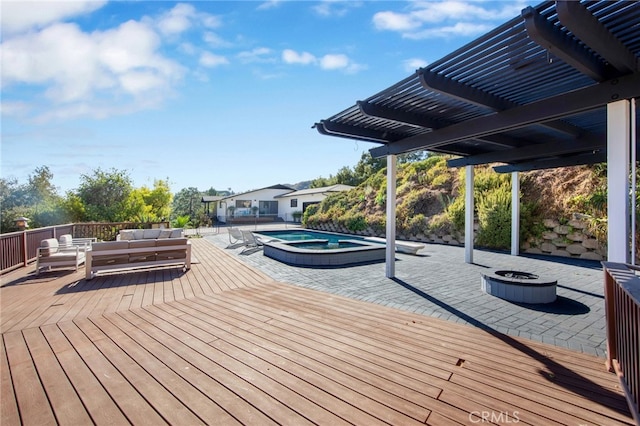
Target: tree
x,y
187,202
105,195
150,205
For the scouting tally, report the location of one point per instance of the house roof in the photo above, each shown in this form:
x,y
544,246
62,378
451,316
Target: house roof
x,y
283,187
310,191
532,93
211,198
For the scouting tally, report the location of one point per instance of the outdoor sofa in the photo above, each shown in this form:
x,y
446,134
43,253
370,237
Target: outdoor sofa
x,y
133,250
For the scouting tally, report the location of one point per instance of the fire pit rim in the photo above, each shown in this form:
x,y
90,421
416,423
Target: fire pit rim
x,y
540,281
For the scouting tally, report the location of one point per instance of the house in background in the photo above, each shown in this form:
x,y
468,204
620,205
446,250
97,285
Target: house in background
x,y
277,202
298,201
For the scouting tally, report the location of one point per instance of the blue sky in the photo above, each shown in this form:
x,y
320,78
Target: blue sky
x,y
207,94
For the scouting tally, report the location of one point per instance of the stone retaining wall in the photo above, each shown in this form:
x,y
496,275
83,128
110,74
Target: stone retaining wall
x,y
567,240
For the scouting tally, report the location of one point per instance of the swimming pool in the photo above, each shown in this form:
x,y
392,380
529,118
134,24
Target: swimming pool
x,y
304,235
320,249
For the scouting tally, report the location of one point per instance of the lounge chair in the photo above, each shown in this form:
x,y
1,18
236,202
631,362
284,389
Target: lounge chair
x,y
250,240
235,235
50,255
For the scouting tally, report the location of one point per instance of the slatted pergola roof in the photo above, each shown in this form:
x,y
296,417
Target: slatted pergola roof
x,y
531,94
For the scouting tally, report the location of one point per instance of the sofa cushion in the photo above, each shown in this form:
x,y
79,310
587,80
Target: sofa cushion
x,y
165,233
49,246
65,241
127,234
151,234
66,257
176,233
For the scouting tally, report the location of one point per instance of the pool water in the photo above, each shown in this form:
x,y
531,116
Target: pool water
x,y
301,235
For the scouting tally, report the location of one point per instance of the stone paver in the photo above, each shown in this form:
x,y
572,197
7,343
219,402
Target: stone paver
x,y
437,282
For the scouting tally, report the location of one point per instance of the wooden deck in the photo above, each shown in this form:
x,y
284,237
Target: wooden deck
x,y
225,344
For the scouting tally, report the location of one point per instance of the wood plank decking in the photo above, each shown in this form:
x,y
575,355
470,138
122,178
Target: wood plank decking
x,y
225,344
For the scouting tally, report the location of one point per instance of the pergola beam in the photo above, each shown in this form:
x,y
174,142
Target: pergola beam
x,y
551,38
531,151
404,117
553,108
463,92
577,18
468,94
574,160
399,116
346,131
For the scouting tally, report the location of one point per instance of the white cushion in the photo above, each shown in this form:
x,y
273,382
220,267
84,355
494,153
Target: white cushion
x,y
127,234
151,234
66,240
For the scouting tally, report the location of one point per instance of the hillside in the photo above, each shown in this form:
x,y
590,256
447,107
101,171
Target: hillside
x,y
430,200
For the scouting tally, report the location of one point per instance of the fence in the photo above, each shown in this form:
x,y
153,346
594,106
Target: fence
x,y
622,303
17,249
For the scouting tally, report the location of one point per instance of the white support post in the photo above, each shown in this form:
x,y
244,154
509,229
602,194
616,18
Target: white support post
x,y
515,214
468,215
390,268
634,182
618,161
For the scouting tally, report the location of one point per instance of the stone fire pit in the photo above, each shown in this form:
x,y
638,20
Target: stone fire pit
x,y
519,286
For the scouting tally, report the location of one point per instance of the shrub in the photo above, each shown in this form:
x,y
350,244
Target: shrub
x,y
494,217
355,223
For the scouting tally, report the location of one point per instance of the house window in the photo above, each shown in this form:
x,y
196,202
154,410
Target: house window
x,y
268,208
243,204
294,202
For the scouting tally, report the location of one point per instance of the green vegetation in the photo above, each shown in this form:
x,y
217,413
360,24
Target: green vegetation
x,y
102,196
430,200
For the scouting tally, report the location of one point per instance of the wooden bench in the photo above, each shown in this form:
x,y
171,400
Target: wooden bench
x,y
127,255
408,247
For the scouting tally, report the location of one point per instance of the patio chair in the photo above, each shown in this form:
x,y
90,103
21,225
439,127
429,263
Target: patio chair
x,y
235,235
251,240
50,255
67,242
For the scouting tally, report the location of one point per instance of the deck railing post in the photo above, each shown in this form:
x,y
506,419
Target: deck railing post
x,y
25,251
610,312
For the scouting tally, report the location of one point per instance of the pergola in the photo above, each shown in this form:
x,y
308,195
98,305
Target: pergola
x,y
553,87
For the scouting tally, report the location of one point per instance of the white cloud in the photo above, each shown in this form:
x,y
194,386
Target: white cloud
x,y
412,64
259,54
292,57
177,19
210,60
78,72
459,29
395,21
20,16
214,40
329,62
270,4
441,19
339,8
334,61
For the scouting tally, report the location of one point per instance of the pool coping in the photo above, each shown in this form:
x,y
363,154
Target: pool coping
x,y
287,252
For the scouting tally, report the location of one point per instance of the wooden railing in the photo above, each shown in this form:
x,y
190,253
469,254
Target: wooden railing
x,y
17,249
622,303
